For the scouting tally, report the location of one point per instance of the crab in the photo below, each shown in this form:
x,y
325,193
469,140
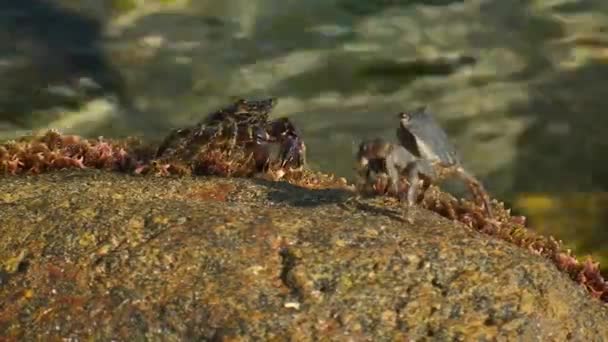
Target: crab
x,y
244,123
381,164
435,157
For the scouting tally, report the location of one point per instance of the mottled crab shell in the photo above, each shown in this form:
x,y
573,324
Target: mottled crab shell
x,y
243,111
259,107
420,134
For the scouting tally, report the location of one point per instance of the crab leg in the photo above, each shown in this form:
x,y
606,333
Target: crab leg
x,y
476,189
416,171
293,150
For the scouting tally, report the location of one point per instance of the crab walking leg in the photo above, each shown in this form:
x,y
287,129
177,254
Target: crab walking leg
x,y
233,134
400,160
416,169
165,145
292,149
414,183
393,177
476,188
259,147
261,156
302,153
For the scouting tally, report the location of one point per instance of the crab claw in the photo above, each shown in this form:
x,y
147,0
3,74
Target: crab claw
x,y
293,151
362,155
261,155
260,135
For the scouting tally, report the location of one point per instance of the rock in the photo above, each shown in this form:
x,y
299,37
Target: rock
x,y
107,256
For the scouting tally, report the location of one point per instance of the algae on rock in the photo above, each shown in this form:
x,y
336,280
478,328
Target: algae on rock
x,y
112,256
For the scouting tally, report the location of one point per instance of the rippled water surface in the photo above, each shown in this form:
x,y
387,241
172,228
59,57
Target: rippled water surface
x,y
520,86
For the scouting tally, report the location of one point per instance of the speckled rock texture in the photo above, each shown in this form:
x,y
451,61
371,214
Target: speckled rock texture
x,y
88,254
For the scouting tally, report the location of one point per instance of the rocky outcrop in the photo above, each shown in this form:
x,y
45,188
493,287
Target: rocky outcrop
x,y
93,254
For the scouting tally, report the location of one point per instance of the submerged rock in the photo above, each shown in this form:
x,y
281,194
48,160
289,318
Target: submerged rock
x,y
90,254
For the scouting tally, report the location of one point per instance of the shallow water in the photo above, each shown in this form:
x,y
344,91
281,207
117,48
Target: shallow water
x,y
519,86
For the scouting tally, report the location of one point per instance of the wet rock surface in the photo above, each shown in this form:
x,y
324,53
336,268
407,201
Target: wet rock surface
x,y
109,256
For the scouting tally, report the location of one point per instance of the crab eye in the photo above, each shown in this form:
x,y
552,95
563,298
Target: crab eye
x,y
405,117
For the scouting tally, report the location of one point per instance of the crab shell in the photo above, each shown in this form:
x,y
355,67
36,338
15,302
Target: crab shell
x,y
420,133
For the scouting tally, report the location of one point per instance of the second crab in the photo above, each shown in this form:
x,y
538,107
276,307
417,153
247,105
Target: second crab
x,y
241,127
424,154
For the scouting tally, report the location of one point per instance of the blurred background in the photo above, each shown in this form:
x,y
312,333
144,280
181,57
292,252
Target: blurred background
x,y
520,86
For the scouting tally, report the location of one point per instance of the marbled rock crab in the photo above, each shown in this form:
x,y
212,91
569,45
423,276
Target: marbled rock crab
x,y
243,124
422,136
425,155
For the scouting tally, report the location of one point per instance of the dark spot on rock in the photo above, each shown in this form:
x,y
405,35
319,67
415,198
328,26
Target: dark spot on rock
x,y
4,277
288,262
325,285
121,294
456,311
481,302
23,266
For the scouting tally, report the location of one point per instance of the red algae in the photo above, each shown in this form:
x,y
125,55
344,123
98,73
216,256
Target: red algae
x,y
506,227
54,151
